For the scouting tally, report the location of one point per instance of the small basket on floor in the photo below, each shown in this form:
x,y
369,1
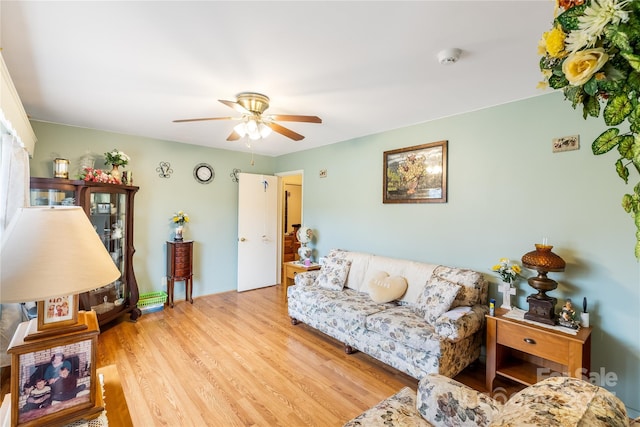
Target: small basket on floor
x,y
152,301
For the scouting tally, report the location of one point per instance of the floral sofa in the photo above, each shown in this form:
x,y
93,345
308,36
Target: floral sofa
x,y
419,318
441,401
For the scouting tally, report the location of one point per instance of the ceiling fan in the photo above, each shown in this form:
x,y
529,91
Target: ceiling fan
x,y
253,123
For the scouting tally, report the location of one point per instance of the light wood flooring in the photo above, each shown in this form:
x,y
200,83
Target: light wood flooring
x,y
234,359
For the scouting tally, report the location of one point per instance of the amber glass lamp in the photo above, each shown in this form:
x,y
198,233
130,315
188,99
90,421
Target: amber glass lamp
x,y
542,306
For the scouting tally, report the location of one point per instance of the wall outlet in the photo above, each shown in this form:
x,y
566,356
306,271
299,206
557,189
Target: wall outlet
x,y
323,173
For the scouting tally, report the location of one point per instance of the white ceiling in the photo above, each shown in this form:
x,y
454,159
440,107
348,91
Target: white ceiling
x,y
363,66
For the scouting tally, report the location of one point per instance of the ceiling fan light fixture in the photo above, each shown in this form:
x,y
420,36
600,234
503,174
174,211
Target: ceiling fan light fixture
x,y
240,129
251,106
265,130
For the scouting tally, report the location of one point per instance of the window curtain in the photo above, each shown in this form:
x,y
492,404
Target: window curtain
x,y
14,194
14,179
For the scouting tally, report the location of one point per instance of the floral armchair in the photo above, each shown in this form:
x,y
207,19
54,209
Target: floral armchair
x,y
441,401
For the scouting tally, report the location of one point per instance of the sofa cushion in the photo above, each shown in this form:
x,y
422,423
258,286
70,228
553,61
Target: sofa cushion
x,y
563,401
401,324
474,286
397,410
415,273
344,310
461,322
446,402
436,298
333,273
385,288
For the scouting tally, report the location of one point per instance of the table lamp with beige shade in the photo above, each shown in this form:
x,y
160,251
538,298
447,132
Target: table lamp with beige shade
x,y
50,255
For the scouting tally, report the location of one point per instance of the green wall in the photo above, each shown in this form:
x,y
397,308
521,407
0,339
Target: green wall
x,y
507,191
212,207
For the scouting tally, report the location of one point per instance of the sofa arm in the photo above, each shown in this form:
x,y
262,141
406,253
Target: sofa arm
x,y
444,401
461,322
306,278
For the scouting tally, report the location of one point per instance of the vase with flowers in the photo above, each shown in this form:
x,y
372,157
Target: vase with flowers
x,y
116,158
179,218
592,53
508,272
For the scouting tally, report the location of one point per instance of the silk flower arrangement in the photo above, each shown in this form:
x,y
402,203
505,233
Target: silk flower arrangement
x,y
592,53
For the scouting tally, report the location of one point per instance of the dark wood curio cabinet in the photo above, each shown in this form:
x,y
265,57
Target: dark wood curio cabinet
x,y
110,210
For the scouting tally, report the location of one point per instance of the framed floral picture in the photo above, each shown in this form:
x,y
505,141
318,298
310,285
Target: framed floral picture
x,y
415,174
58,311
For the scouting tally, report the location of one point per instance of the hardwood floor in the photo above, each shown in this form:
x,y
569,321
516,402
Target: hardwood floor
x,y
234,359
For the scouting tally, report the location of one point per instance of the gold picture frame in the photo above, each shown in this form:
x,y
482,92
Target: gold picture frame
x,y
416,174
57,312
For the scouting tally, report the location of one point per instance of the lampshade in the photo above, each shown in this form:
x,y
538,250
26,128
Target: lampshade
x,y
304,235
50,252
542,259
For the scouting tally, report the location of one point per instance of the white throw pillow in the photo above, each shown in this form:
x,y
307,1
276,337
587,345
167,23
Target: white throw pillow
x,y
383,288
436,298
333,273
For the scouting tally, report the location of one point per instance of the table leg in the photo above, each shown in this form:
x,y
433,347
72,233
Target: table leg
x,y
170,283
491,361
189,288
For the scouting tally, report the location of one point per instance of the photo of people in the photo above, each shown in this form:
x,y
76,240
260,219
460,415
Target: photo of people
x,y
53,380
39,396
58,309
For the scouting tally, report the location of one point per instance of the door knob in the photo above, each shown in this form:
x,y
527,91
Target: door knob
x,y
242,239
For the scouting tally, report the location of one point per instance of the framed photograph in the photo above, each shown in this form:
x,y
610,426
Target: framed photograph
x,y
415,174
54,383
56,312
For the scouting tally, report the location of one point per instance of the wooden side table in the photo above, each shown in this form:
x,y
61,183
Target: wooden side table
x,y
291,269
180,267
522,351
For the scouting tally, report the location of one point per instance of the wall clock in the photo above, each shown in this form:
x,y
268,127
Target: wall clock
x,y
203,173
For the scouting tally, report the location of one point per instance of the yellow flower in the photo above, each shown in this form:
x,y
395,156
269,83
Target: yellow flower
x,y
516,268
554,41
581,65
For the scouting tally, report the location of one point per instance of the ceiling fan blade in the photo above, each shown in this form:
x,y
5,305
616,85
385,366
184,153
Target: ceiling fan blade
x,y
233,136
239,108
284,131
295,118
202,119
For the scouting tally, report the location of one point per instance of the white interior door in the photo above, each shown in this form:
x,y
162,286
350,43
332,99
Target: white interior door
x,y
257,231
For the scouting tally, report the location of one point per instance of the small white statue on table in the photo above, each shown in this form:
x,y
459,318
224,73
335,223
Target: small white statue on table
x,y
507,291
508,272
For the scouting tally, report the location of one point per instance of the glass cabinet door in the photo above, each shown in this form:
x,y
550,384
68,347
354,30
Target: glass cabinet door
x,y
52,197
108,216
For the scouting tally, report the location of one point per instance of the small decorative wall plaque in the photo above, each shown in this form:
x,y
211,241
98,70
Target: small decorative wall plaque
x,y
566,143
164,170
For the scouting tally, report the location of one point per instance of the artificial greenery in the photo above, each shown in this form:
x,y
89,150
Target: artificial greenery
x,y
592,53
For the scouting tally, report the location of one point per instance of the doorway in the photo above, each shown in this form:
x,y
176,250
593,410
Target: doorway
x,y
291,196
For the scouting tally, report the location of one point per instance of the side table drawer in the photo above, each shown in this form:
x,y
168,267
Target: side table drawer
x,y
183,250
182,271
182,259
537,343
